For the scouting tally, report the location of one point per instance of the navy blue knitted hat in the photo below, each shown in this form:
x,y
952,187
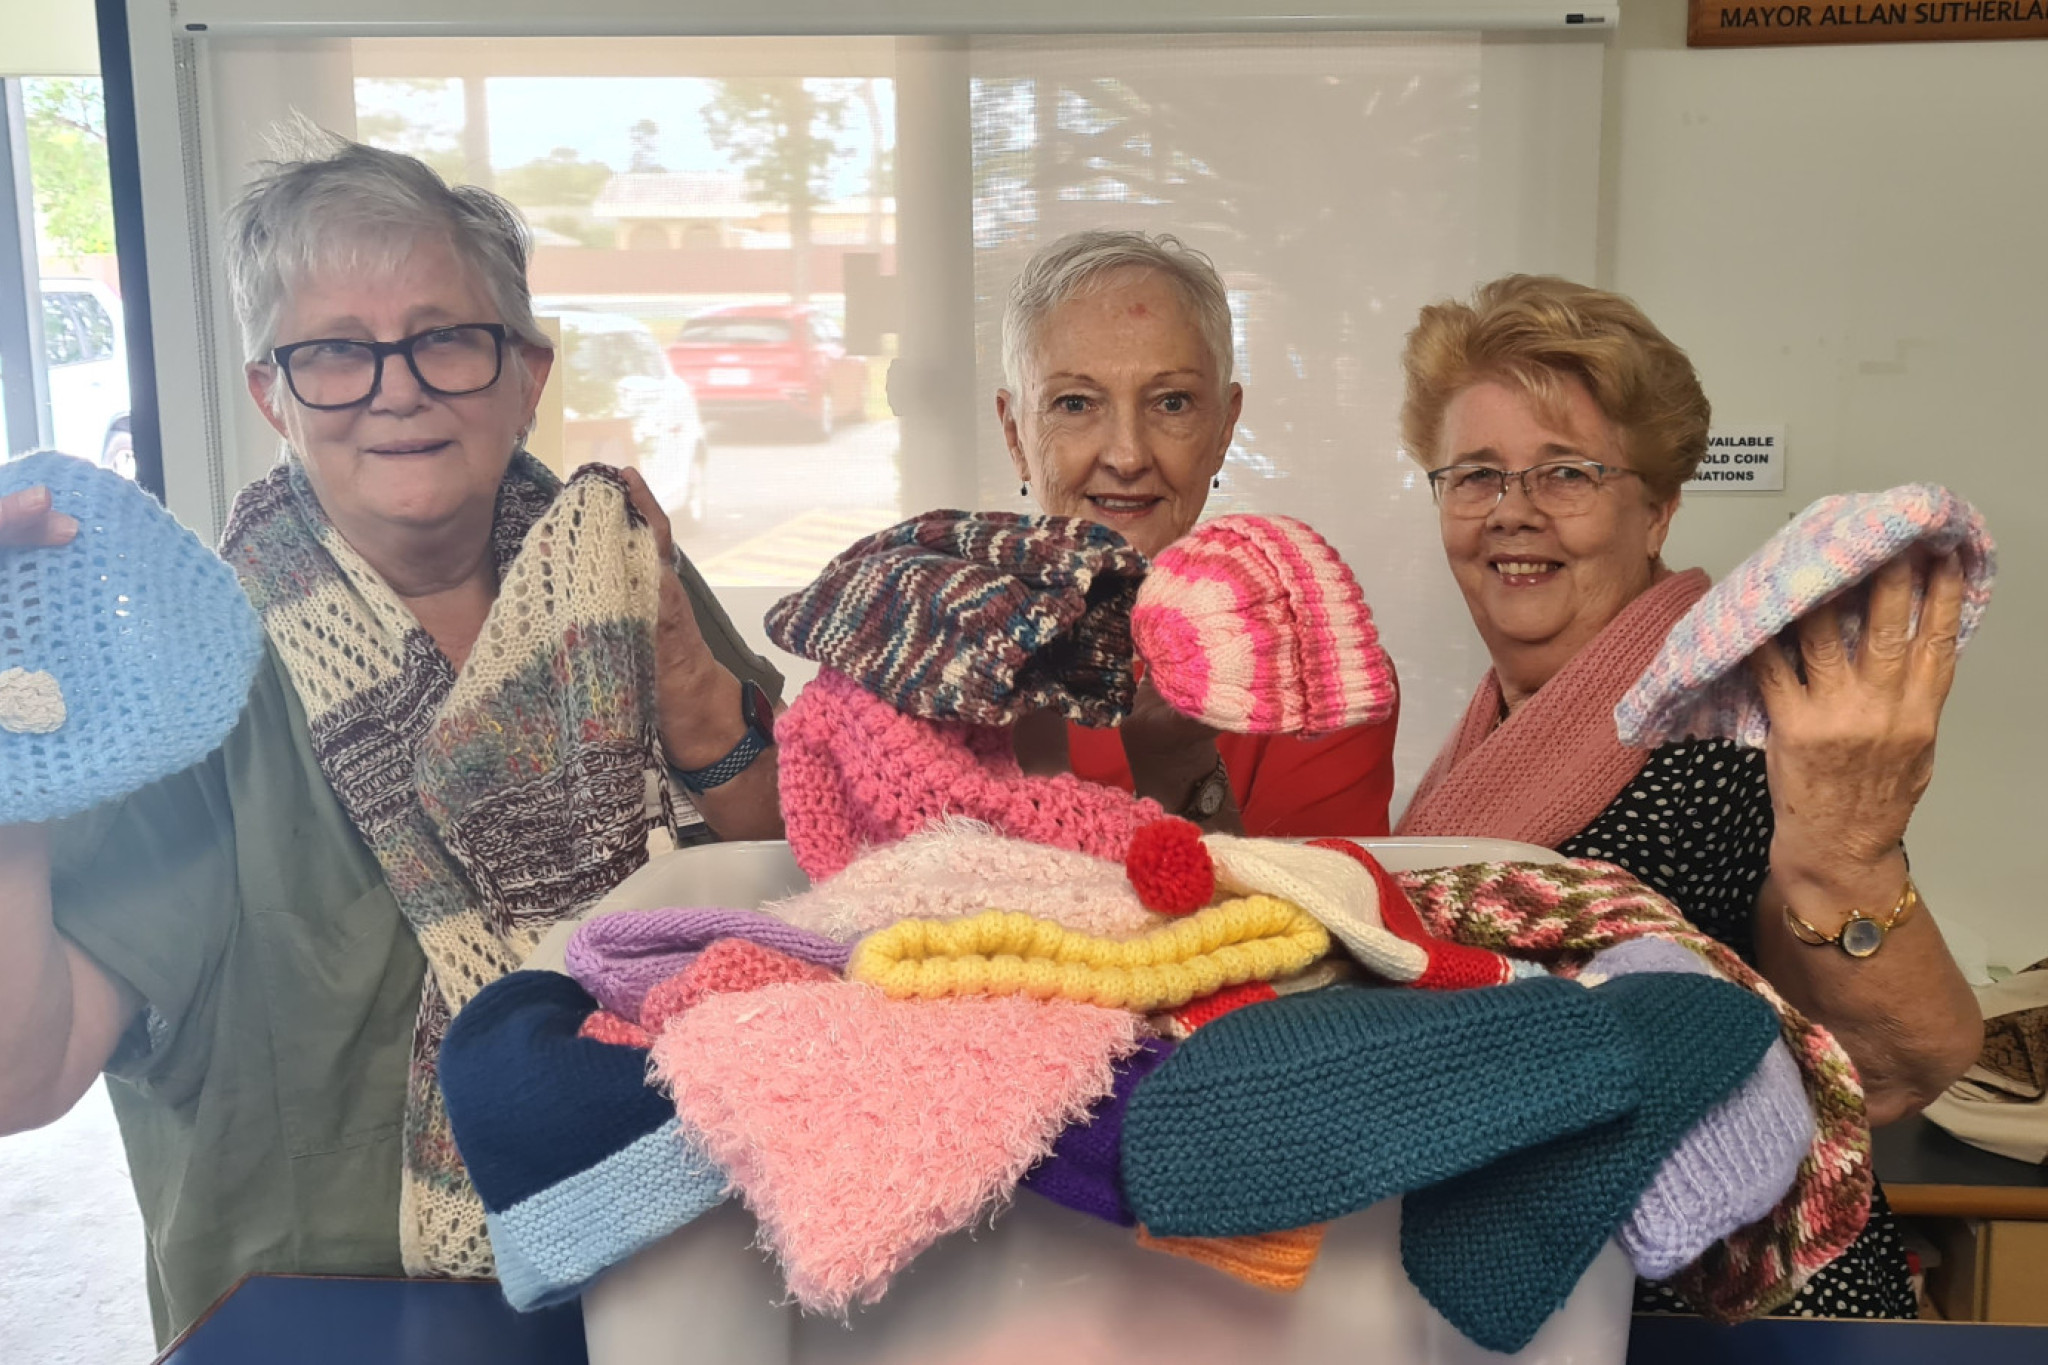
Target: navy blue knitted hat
x,y
579,1162
1306,1108
1498,1250
125,656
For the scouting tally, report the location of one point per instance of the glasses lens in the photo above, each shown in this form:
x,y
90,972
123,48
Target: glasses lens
x,y
1563,489
457,359
1469,490
332,373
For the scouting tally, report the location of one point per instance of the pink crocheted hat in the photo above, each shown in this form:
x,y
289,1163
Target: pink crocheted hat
x,y
1697,687
1255,626
857,773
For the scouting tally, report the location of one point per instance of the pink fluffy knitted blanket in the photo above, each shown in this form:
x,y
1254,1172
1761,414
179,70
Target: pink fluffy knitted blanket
x,y
860,1130
855,773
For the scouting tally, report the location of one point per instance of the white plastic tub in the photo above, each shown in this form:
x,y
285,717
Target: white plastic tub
x,y
1045,1285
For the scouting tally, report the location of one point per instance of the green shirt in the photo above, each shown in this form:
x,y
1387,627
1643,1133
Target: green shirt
x,y
262,1089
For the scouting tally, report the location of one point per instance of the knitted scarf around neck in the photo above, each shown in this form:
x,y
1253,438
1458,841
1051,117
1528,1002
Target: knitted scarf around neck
x,y
1545,772
498,801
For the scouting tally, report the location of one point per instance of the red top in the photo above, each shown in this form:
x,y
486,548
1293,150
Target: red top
x,y
1286,786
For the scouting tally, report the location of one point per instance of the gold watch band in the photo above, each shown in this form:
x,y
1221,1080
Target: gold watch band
x,y
1860,935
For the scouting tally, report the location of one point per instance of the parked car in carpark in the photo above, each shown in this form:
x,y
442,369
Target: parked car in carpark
x,y
87,359
614,369
772,360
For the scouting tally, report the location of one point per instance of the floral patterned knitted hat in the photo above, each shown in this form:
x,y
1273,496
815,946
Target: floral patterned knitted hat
x,y
1254,625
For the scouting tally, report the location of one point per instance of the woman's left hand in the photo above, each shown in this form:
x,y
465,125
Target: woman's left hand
x,y
1170,754
1851,748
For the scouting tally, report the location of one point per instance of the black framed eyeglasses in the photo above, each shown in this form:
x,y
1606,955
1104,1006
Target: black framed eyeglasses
x,y
1558,488
331,373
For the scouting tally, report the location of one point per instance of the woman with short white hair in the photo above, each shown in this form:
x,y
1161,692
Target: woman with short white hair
x,y
1119,408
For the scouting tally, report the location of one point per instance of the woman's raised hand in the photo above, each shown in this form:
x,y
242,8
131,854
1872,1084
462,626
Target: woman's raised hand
x,y
27,522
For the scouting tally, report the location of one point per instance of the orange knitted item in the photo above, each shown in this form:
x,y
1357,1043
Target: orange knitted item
x,y
1277,1261
725,967
602,1026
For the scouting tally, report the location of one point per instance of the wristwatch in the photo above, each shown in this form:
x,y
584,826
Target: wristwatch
x,y
1208,796
1860,935
759,714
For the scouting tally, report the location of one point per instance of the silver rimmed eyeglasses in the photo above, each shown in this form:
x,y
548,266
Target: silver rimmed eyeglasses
x,y
1558,488
331,373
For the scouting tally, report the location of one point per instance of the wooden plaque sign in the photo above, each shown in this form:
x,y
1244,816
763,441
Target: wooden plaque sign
x,y
1723,23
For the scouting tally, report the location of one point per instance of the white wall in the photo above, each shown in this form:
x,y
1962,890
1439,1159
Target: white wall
x,y
1854,241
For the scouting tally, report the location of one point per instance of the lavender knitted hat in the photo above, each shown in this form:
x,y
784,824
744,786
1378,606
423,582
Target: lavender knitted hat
x,y
976,616
1697,687
620,957
1736,1164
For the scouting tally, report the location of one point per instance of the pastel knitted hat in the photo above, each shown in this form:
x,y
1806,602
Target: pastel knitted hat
x,y
977,617
856,773
125,656
1498,1249
1309,1107
1254,625
580,1164
1736,1163
1697,687
962,867
860,1129
1337,882
620,957
1082,1169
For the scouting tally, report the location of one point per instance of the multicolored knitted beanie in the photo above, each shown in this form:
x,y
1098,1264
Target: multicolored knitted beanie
x,y
977,617
125,655
857,773
580,1165
1254,625
1698,687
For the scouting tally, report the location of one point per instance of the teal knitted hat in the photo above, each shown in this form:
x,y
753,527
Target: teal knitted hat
x,y
1499,1249
125,655
1303,1109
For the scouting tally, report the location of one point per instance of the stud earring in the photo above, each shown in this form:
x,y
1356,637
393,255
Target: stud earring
x,y
1216,482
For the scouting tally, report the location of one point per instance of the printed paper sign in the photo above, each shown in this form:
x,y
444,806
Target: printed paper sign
x,y
1742,460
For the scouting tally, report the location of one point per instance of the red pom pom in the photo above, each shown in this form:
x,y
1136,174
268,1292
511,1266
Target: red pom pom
x,y
1169,867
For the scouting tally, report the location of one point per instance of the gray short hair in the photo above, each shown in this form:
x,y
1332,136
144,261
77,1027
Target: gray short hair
x,y
1082,260
327,202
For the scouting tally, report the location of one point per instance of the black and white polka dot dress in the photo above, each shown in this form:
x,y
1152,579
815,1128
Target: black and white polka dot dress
x,y
1695,824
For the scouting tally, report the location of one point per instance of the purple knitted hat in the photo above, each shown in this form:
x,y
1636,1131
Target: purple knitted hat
x,y
620,957
1084,1171
977,616
1697,687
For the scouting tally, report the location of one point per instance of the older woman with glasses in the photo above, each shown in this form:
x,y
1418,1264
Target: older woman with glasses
x,y
262,952
1557,425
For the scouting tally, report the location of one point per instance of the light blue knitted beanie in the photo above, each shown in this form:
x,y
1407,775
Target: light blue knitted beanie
x,y
125,656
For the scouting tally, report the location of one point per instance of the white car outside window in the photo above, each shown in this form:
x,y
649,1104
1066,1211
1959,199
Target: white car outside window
x,y
614,368
87,359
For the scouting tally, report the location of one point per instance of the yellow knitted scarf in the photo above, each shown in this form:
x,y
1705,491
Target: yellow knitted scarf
x,y
1003,952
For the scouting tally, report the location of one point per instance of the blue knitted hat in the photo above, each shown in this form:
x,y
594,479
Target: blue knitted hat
x,y
1499,1249
125,656
1082,1171
579,1162
1306,1108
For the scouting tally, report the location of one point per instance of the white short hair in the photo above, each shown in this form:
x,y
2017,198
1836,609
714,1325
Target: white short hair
x,y
1081,261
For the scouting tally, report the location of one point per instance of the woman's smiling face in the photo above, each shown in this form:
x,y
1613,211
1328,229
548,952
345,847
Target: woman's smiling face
x,y
1122,417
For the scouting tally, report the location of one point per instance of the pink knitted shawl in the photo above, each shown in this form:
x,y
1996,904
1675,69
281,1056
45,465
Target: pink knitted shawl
x,y
857,773
1543,774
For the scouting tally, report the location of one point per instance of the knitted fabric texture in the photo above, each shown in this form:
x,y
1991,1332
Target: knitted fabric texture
x,y
727,967
620,957
961,867
1275,1261
1254,625
1735,1164
1002,952
977,617
579,1164
497,802
1698,686
602,1026
125,656
1209,1008
1169,868
1310,1107
1082,1171
1545,772
1498,1250
855,773
860,1130
1562,913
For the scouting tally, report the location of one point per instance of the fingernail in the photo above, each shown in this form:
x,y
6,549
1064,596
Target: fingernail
x,y
67,526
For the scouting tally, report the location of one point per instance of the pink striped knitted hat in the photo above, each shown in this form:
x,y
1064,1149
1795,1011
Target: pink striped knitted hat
x,y
1254,625
1697,686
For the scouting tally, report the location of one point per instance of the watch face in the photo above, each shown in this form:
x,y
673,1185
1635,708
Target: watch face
x,y
758,710
1209,796
1861,937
